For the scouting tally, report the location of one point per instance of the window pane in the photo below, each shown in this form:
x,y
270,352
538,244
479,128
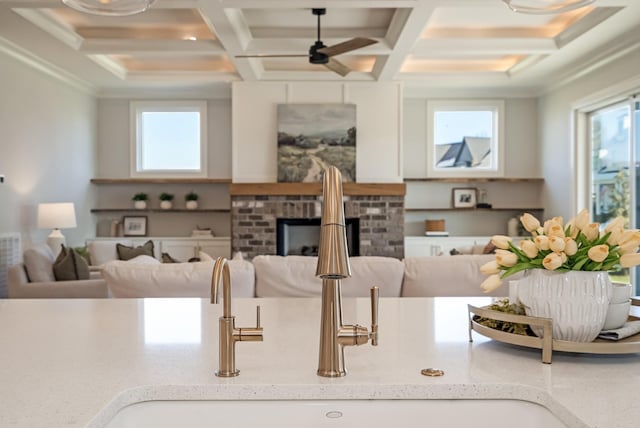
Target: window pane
x,y
611,158
463,139
170,141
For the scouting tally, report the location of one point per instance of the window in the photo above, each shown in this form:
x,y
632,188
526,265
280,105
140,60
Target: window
x,y
465,138
168,139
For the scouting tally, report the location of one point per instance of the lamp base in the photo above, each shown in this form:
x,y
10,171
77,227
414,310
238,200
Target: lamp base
x,y
55,241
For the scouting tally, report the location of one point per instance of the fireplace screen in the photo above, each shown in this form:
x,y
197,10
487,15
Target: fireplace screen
x,y
300,236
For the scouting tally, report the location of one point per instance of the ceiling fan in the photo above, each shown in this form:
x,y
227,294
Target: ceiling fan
x,y
319,53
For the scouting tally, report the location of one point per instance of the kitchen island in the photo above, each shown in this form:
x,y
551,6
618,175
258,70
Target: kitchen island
x,y
76,363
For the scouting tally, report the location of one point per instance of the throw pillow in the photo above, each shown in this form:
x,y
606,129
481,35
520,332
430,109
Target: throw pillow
x,y
166,258
205,257
126,253
70,266
38,262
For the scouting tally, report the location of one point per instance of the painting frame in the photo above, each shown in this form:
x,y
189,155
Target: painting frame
x,y
312,137
134,225
464,197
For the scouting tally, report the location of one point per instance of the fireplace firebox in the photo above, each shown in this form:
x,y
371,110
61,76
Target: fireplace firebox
x,y
300,236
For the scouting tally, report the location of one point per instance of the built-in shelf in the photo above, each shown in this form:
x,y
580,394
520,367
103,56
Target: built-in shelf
x,y
475,180
472,209
160,180
160,210
297,189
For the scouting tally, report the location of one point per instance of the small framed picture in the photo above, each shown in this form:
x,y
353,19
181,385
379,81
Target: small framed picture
x,y
134,226
464,197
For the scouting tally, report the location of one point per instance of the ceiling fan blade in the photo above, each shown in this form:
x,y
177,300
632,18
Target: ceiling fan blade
x,y
338,67
273,56
349,45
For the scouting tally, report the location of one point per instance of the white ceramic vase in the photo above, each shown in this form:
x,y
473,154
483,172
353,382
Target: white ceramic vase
x,y
191,205
576,301
166,205
140,205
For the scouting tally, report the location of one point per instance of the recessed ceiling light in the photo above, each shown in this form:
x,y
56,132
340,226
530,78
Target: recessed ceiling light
x,y
542,7
190,38
110,7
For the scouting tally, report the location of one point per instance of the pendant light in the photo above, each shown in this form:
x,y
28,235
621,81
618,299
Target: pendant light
x,y
110,7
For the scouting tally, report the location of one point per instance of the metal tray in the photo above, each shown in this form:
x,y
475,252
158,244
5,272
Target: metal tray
x,y
546,343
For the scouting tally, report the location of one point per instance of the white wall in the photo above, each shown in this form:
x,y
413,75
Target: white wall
x,y
521,138
379,119
47,150
558,153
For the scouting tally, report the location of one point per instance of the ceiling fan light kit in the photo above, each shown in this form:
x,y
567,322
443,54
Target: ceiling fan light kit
x,y
543,7
110,7
321,54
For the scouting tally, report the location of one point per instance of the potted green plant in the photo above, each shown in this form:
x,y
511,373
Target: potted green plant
x,y
191,199
140,200
166,201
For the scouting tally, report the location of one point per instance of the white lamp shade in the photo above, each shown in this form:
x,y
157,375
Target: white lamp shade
x,y
59,215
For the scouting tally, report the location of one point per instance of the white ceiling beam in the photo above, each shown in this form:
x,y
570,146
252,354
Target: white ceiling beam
x,y
328,4
52,4
323,74
301,46
406,28
155,47
231,29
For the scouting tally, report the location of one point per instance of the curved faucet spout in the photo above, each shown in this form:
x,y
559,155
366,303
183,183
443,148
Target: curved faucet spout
x,y
221,268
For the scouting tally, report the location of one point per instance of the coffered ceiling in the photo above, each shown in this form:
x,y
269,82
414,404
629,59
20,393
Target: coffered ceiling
x,y
440,44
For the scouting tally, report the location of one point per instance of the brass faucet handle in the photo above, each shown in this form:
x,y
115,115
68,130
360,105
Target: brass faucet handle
x,y
375,296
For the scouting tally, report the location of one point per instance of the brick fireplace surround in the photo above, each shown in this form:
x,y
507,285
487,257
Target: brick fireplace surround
x,y
255,207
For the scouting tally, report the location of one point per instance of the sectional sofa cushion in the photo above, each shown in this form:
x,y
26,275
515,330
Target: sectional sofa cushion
x,y
295,276
446,276
138,279
101,252
38,262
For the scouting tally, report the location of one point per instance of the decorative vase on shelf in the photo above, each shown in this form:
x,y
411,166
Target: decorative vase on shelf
x,y
166,205
576,301
191,205
140,205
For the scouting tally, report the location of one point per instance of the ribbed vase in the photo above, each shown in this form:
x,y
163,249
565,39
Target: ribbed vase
x,y
576,301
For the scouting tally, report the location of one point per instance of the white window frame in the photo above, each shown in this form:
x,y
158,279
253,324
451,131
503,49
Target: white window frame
x,y
137,108
497,149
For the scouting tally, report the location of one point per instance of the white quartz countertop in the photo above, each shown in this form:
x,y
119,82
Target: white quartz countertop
x,y
75,363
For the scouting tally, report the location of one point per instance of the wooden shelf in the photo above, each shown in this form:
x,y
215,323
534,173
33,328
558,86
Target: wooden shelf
x,y
160,210
310,189
160,181
475,180
472,209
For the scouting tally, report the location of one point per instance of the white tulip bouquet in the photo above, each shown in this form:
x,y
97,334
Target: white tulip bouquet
x,y
576,245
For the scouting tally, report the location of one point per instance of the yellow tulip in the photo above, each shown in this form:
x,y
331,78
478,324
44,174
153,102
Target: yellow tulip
x,y
628,235
551,223
556,230
563,256
616,223
529,248
552,261
629,247
542,242
615,236
630,260
570,246
506,258
490,268
556,243
501,241
491,283
591,231
529,222
573,229
598,253
582,219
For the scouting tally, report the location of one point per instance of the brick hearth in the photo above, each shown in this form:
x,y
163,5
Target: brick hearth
x,y
253,216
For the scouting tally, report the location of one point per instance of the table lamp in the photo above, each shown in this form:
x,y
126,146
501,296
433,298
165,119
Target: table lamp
x,y
56,216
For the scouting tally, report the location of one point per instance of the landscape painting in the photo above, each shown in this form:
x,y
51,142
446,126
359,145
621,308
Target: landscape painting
x,y
312,137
